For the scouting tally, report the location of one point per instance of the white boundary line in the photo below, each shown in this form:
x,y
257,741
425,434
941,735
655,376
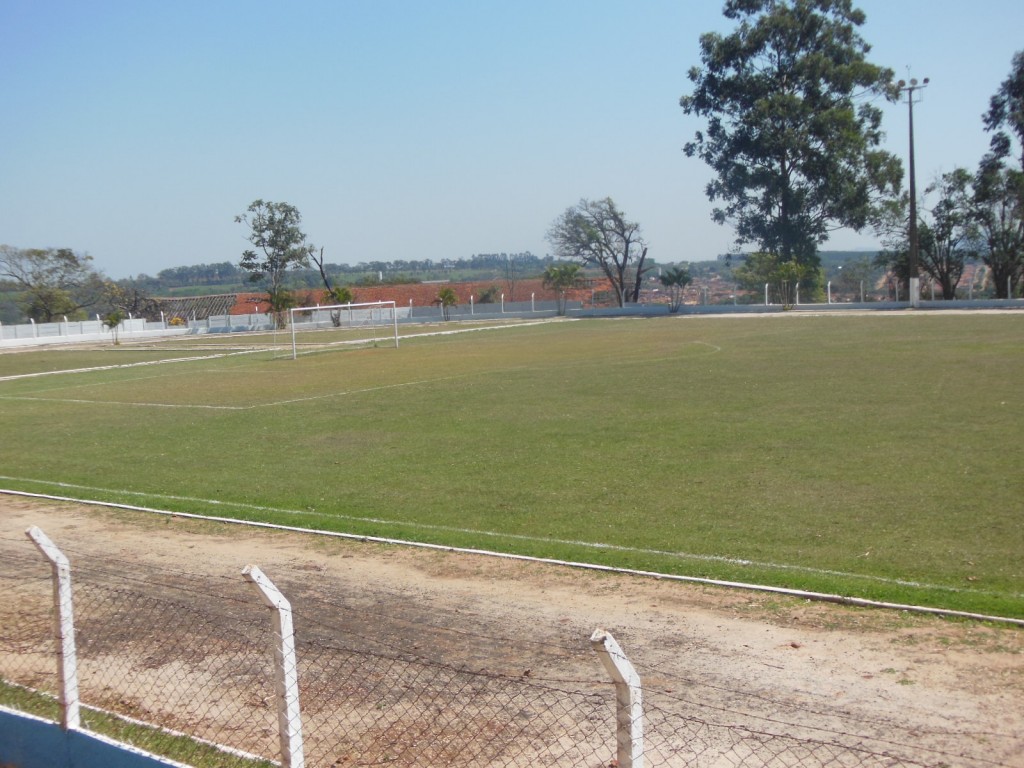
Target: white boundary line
x,y
15,377
126,403
251,351
478,532
817,596
201,406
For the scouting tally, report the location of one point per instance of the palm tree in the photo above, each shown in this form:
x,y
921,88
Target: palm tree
x,y
447,299
281,300
339,294
562,277
676,279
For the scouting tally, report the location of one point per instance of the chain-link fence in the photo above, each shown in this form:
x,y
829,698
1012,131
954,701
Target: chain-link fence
x,y
196,668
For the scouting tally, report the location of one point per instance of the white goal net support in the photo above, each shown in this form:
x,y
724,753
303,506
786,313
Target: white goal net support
x,y
331,325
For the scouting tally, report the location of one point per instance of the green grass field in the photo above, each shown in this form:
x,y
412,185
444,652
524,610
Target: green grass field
x,y
874,456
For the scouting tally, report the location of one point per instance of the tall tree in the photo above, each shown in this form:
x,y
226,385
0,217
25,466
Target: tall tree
x,y
513,268
998,209
336,294
999,187
279,243
948,237
130,298
792,134
54,282
1005,116
597,233
319,261
951,238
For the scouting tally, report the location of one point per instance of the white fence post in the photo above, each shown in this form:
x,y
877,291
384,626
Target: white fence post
x,y
64,627
629,710
289,720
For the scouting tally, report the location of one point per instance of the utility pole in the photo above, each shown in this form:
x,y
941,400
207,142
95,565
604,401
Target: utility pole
x,y
914,278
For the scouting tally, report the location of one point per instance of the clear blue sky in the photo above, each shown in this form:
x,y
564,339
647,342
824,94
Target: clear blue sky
x,y
136,130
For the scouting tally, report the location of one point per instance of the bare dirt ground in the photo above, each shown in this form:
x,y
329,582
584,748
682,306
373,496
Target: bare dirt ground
x,y
946,692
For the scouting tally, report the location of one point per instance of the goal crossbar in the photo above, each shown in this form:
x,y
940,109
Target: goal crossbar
x,y
364,310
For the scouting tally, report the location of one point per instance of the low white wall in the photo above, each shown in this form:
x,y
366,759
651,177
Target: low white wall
x,y
103,337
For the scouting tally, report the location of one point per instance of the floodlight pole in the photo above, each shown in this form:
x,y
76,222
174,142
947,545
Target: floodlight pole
x,y
913,276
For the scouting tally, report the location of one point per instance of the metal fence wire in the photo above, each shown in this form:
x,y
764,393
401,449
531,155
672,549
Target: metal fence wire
x,y
189,666
367,709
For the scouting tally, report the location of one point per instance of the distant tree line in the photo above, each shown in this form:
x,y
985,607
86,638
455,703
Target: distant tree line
x,y
198,274
226,273
480,261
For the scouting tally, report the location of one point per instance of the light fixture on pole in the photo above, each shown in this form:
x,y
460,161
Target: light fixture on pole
x,y
913,276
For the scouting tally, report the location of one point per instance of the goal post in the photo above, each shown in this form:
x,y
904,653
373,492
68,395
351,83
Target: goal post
x,y
353,317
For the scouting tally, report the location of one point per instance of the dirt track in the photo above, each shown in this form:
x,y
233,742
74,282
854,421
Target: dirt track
x,y
954,689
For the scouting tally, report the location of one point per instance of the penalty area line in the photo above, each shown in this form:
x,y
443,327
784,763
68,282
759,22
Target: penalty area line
x,y
201,406
798,593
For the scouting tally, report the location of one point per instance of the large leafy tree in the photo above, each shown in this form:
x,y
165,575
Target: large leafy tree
x,y
1005,116
279,245
999,187
54,282
949,236
952,238
998,209
597,233
792,133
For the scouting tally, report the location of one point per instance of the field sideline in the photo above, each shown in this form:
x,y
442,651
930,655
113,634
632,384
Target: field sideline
x,y
872,456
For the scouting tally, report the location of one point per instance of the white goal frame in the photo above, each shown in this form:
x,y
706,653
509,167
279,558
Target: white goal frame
x,y
366,306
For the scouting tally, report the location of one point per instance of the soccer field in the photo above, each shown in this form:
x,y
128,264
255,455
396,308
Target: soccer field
x,y
875,456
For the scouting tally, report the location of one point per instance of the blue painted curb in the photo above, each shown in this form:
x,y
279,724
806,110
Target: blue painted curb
x,y
27,741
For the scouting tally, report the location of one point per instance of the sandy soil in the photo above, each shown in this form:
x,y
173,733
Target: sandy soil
x,y
937,691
